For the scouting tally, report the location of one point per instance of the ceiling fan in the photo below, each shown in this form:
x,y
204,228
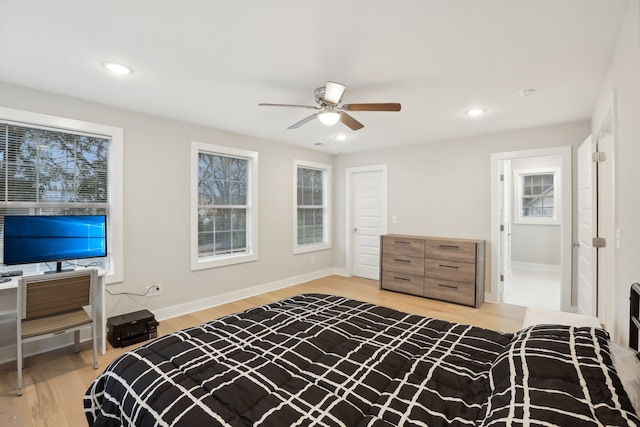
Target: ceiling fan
x,y
329,112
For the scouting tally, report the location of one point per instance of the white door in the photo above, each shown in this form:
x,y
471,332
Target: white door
x,y
368,219
587,209
505,228
605,227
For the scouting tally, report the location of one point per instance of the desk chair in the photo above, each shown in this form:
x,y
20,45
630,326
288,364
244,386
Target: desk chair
x,y
54,304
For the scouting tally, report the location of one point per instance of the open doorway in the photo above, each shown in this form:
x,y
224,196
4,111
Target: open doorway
x,y
531,211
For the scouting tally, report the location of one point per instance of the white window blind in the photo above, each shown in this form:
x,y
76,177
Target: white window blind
x,y
311,208
52,172
222,204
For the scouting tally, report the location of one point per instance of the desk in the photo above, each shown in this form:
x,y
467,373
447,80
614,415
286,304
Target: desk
x,y
4,289
9,290
536,316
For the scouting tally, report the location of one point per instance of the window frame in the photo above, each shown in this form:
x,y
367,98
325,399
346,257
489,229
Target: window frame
x,y
114,267
518,199
198,263
326,203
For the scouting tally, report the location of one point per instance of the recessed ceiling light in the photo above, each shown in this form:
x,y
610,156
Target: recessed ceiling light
x,y
476,112
116,68
527,92
341,137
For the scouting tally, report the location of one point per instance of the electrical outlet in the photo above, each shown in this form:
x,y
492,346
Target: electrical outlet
x,y
313,260
153,290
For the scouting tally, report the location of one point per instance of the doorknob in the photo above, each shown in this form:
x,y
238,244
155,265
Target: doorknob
x,y
576,245
355,229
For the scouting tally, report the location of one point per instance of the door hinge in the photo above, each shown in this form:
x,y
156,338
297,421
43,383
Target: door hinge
x,y
502,277
501,227
599,242
599,156
502,177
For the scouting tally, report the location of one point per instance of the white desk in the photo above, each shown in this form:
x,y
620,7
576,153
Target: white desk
x,y
4,288
536,316
9,289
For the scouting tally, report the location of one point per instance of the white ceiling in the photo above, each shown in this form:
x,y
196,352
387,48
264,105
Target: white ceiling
x,y
211,62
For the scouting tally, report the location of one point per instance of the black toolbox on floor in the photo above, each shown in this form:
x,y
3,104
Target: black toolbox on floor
x,y
131,328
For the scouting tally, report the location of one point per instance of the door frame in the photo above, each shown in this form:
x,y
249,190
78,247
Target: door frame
x,y
565,154
350,172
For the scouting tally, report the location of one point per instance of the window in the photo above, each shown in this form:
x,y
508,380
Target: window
x,y
537,196
312,195
224,206
62,166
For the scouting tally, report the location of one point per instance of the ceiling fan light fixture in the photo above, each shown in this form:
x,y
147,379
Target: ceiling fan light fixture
x,y
329,117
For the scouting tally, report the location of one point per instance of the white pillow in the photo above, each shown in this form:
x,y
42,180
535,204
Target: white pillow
x,y
627,365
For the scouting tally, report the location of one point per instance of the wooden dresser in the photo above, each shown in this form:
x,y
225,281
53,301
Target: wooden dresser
x,y
433,267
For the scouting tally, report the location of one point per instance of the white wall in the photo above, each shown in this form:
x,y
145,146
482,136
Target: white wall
x,y
622,85
157,206
443,188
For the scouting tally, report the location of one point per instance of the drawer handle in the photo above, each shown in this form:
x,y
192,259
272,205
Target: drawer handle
x,y
408,261
402,278
447,286
454,247
400,242
449,266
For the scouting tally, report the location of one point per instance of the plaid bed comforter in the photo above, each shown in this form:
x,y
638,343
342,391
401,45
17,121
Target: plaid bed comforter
x,y
332,361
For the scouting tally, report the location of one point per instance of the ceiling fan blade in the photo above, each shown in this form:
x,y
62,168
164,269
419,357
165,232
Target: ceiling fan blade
x,y
333,92
389,106
264,104
350,121
303,121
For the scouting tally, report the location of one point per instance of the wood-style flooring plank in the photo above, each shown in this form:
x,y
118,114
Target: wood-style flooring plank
x,y
54,383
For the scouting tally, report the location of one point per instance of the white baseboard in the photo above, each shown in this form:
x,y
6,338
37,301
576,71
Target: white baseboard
x,y
8,350
182,309
537,267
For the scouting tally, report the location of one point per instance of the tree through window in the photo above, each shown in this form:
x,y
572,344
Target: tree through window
x,y
312,195
52,172
223,206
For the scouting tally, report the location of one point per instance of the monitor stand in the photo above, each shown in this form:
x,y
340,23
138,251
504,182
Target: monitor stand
x,y
58,269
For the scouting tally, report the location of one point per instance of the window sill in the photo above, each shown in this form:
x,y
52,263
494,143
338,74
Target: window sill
x,y
311,248
536,221
222,261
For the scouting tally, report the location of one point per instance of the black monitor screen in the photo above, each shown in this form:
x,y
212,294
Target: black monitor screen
x,y
31,239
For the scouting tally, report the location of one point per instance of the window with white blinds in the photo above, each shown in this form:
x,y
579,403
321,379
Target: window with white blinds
x,y
224,218
312,195
52,172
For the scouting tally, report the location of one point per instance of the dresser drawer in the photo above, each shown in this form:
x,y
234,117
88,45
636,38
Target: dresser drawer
x,y
460,293
450,270
403,264
450,250
402,283
398,245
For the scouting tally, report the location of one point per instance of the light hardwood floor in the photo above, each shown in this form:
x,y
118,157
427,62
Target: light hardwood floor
x,y
55,382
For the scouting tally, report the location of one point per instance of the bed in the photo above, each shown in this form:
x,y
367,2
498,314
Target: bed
x,y
325,360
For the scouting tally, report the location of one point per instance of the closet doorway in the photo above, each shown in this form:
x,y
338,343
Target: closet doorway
x,y
531,211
